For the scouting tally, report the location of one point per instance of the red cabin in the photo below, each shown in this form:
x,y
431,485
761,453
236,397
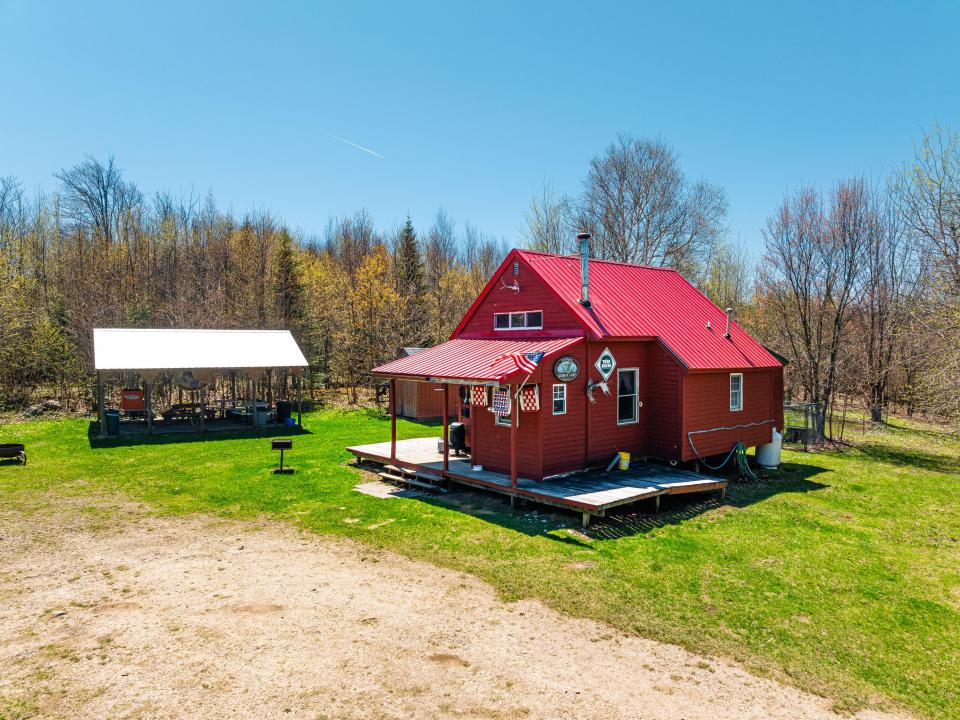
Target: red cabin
x,y
636,359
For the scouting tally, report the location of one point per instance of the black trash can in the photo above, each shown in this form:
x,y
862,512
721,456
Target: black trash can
x,y
113,422
284,409
458,437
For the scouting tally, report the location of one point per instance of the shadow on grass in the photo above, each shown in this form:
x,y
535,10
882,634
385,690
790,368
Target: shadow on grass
x,y
187,434
536,520
901,456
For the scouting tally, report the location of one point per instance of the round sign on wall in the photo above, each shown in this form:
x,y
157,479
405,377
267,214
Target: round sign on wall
x,y
566,369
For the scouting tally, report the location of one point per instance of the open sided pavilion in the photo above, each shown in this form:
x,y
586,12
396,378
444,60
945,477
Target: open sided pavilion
x,y
199,355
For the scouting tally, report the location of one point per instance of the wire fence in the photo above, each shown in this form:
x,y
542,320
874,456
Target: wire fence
x,y
806,425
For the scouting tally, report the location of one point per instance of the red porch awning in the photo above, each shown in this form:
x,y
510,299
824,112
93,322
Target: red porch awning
x,y
470,361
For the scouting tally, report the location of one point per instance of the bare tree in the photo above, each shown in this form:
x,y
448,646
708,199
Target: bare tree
x,y
95,195
727,277
641,208
813,275
928,190
892,278
546,223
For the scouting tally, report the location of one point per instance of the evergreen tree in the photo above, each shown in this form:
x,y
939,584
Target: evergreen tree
x,y
411,286
288,286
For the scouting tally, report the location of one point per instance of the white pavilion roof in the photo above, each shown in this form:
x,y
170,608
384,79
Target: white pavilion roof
x,y
141,349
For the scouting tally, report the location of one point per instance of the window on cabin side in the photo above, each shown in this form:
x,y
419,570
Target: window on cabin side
x,y
627,396
521,320
560,399
504,420
736,392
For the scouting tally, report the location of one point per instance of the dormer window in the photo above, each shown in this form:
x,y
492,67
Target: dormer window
x,y
521,320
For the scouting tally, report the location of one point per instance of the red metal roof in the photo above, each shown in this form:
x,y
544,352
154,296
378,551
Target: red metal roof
x,y
637,301
463,359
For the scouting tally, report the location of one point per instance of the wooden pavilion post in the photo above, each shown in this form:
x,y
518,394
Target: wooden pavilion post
x,y
393,420
299,401
203,409
514,422
446,427
101,410
148,404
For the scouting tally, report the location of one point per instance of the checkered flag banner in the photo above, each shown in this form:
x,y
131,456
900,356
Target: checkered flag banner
x,y
530,398
501,402
479,396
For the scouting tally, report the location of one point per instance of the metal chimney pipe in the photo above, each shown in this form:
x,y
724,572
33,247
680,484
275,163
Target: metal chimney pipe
x,y
729,313
584,240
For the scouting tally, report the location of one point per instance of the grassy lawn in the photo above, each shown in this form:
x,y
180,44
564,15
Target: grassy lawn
x,y
841,575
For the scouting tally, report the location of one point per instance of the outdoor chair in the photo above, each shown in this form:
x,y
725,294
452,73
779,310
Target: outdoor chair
x,y
132,403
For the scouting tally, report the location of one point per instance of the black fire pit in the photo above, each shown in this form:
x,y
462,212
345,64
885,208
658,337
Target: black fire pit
x,y
10,451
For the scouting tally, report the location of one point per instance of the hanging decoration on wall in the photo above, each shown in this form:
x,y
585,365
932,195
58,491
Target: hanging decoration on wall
x,y
501,401
591,386
186,380
530,398
566,369
479,396
605,364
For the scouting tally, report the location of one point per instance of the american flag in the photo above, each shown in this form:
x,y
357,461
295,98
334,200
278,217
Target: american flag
x,y
525,362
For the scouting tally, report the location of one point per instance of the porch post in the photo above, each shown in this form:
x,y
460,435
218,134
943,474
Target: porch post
x,y
393,419
446,427
514,418
101,410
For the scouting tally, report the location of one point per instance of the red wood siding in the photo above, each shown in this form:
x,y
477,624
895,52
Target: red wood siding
x,y
563,435
605,437
493,443
706,405
558,321
663,405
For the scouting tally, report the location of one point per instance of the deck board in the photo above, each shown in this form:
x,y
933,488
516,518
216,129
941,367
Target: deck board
x,y
592,492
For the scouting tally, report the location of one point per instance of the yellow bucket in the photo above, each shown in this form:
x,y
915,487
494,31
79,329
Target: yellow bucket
x,y
624,460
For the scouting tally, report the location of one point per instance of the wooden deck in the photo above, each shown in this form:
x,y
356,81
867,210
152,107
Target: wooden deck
x,y
591,493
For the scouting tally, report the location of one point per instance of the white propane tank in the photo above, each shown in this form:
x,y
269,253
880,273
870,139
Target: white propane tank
x,y
768,456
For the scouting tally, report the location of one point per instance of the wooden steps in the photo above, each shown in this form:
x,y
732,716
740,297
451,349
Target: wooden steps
x,y
411,478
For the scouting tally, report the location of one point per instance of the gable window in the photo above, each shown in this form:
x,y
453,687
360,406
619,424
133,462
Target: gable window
x,y
560,399
521,320
736,391
504,420
627,396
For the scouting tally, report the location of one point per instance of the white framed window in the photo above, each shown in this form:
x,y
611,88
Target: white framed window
x,y
520,320
560,399
627,396
505,420
736,392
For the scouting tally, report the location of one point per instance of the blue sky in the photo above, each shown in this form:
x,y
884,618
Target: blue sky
x,y
472,106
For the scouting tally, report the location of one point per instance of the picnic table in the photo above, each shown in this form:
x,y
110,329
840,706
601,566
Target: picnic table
x,y
190,412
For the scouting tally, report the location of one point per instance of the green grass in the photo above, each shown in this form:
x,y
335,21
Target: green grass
x,y
841,575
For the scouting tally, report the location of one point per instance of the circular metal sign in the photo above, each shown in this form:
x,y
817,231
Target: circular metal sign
x,y
566,369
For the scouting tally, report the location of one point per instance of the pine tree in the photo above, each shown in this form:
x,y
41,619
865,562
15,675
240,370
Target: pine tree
x,y
411,286
288,287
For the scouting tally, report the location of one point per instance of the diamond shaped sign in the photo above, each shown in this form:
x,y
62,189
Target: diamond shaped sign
x,y
605,364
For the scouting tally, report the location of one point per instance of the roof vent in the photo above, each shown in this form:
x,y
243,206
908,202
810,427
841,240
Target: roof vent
x,y
584,240
729,314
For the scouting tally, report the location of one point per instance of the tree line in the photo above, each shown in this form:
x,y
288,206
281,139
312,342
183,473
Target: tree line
x,y
856,287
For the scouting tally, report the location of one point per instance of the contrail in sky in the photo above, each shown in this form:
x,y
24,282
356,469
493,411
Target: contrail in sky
x,y
358,147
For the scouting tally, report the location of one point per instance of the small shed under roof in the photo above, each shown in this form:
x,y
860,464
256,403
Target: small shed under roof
x,y
154,349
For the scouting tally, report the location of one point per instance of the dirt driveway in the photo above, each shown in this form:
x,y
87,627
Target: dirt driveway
x,y
109,612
